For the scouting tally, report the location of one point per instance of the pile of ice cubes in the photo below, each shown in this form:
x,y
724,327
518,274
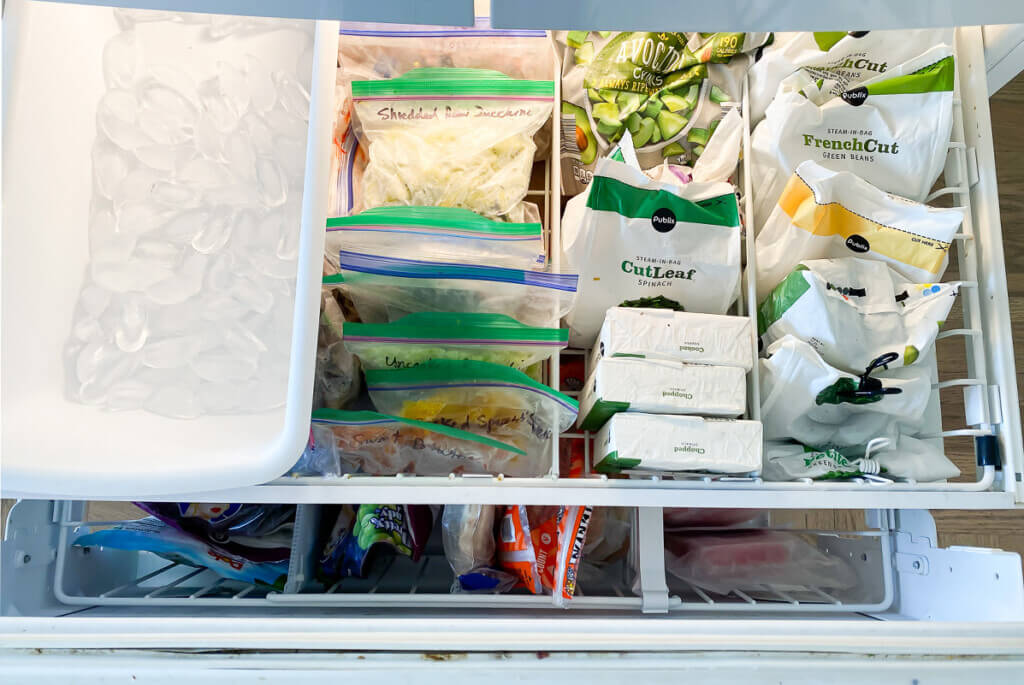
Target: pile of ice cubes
x,y
193,235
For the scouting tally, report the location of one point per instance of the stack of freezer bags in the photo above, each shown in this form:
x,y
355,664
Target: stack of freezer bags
x,y
888,121
250,543
656,374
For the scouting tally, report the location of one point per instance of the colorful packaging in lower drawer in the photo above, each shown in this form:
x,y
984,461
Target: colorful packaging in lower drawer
x,y
658,442
654,386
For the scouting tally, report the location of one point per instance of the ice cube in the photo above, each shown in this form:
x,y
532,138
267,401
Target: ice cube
x,y
273,186
183,285
294,98
121,60
260,395
163,128
208,140
266,263
94,300
127,276
215,232
132,330
105,241
258,133
252,295
88,329
286,125
262,92
177,319
174,79
162,252
128,394
89,360
109,167
136,186
288,242
171,353
235,194
222,272
117,115
178,401
241,158
177,107
290,153
204,173
173,194
233,86
220,367
182,227
220,306
137,218
216,108
242,342
163,157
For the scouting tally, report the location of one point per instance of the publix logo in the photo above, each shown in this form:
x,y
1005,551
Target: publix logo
x,y
663,220
858,243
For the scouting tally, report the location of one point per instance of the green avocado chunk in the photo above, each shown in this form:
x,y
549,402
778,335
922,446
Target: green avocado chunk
x,y
670,123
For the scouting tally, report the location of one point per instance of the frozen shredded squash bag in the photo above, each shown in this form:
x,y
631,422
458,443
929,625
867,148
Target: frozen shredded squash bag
x,y
379,444
853,311
450,137
445,234
387,288
846,58
892,130
479,397
805,399
823,213
418,338
629,237
668,89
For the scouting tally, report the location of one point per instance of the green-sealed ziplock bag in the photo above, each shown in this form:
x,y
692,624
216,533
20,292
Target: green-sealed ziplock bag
x,y
385,288
378,444
450,137
443,234
479,397
418,338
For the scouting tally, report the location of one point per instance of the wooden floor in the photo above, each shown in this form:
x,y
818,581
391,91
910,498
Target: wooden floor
x,y
983,529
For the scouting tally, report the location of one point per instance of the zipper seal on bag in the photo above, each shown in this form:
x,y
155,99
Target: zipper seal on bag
x,y
430,376
416,268
455,328
452,83
340,417
438,220
481,28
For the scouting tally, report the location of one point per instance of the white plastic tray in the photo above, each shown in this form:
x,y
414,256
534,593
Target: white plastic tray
x,y
53,81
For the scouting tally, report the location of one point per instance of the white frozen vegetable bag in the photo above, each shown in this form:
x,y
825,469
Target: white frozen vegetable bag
x,y
450,137
823,213
905,458
847,58
807,400
631,238
853,311
892,130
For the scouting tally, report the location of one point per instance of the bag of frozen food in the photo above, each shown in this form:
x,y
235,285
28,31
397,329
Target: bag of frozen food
x,y
747,560
361,535
667,89
479,397
823,213
806,400
382,445
387,288
906,457
608,535
153,535
542,546
846,58
450,137
380,51
418,338
259,532
467,532
630,237
336,377
853,311
892,131
445,234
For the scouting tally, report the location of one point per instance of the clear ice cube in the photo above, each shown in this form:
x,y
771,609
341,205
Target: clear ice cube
x,y
273,186
138,218
117,116
132,329
162,128
233,86
109,167
128,276
221,367
185,284
294,98
173,194
182,227
171,353
128,394
166,100
163,157
121,60
262,92
215,232
241,158
204,173
207,139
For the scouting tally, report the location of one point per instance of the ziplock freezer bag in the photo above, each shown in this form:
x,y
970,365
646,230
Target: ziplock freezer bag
x,y
467,532
746,560
479,397
824,213
417,338
386,288
667,89
853,311
362,535
382,445
450,137
153,535
806,400
892,130
846,58
443,234
907,457
336,377
380,51
630,237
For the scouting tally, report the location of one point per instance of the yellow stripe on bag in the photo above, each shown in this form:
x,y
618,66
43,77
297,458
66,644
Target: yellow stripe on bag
x,y
914,250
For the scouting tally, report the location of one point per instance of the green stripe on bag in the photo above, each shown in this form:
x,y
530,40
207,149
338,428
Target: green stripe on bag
x,y
781,299
611,195
934,78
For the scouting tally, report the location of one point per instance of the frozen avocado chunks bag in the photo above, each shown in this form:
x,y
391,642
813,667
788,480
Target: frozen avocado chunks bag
x,y
482,398
846,58
667,89
853,311
450,137
892,130
632,238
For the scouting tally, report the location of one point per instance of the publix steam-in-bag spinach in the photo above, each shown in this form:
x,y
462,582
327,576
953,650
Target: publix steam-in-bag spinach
x,y
667,89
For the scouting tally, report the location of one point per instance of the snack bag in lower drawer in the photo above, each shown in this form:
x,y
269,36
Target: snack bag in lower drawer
x,y
467,532
361,535
543,547
153,535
